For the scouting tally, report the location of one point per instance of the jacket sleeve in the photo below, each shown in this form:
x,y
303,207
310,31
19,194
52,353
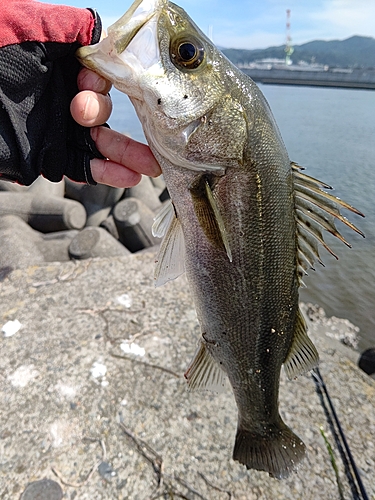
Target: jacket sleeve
x,y
38,79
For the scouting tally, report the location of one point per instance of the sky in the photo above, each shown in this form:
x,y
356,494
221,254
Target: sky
x,y
254,24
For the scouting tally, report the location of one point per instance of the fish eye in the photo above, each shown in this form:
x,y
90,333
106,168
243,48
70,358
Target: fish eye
x,y
187,53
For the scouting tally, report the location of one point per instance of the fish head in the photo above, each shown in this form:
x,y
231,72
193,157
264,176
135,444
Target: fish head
x,y
174,76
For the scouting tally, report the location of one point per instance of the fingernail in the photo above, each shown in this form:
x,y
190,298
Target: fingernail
x,y
103,86
91,109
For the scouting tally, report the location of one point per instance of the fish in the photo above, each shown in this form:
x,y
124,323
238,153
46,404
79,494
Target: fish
x,y
244,222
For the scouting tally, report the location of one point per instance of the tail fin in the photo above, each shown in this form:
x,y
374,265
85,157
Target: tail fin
x,y
277,451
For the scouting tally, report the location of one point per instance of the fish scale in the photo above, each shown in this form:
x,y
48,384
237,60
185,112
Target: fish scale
x,y
243,221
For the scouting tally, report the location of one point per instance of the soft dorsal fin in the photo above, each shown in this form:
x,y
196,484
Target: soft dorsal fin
x,y
204,373
316,211
170,261
302,355
208,213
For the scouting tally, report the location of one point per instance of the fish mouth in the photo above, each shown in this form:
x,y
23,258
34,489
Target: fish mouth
x,y
122,33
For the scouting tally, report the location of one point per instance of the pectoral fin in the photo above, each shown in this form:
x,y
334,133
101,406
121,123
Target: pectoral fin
x,y
316,211
208,213
302,356
163,220
170,261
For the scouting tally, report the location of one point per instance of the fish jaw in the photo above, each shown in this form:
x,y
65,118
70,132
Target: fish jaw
x,y
122,57
137,56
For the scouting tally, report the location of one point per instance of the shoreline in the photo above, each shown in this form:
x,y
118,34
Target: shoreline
x,y
362,81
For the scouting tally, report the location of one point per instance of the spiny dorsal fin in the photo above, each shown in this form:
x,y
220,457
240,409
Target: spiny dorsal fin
x,y
302,355
204,373
209,216
316,211
170,261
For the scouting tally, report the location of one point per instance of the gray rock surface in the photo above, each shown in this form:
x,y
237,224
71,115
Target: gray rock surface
x,y
134,221
92,395
45,489
98,200
19,243
95,242
43,187
146,192
22,246
37,223
44,213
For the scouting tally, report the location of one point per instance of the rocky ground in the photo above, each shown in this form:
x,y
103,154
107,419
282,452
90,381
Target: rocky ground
x,y
94,405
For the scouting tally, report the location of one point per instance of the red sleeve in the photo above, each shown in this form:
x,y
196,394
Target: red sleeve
x,y
28,20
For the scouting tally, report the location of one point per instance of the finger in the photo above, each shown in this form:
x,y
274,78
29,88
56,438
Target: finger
x,y
90,109
88,80
125,151
112,174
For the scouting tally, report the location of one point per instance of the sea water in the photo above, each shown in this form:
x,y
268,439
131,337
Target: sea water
x,y
330,132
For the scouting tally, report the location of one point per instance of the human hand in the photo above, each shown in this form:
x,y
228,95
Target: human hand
x,y
126,159
38,134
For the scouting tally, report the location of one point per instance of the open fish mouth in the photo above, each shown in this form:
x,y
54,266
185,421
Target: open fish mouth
x,y
130,45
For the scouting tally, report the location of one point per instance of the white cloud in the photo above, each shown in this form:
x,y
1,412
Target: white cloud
x,y
258,24
344,18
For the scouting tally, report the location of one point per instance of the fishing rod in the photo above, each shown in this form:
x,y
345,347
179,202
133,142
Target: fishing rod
x,y
319,379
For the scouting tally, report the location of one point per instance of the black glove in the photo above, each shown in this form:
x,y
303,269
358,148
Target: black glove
x,y
38,80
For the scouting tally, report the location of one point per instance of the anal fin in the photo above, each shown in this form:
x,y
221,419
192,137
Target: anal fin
x,y
302,355
204,373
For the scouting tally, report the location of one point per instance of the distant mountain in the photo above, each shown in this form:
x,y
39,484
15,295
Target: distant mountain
x,y
354,52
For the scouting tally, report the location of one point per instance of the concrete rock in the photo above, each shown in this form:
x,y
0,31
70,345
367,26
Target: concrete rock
x,y
134,221
42,490
145,192
44,187
159,184
45,213
95,242
97,370
109,225
22,246
13,187
55,246
19,243
98,200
